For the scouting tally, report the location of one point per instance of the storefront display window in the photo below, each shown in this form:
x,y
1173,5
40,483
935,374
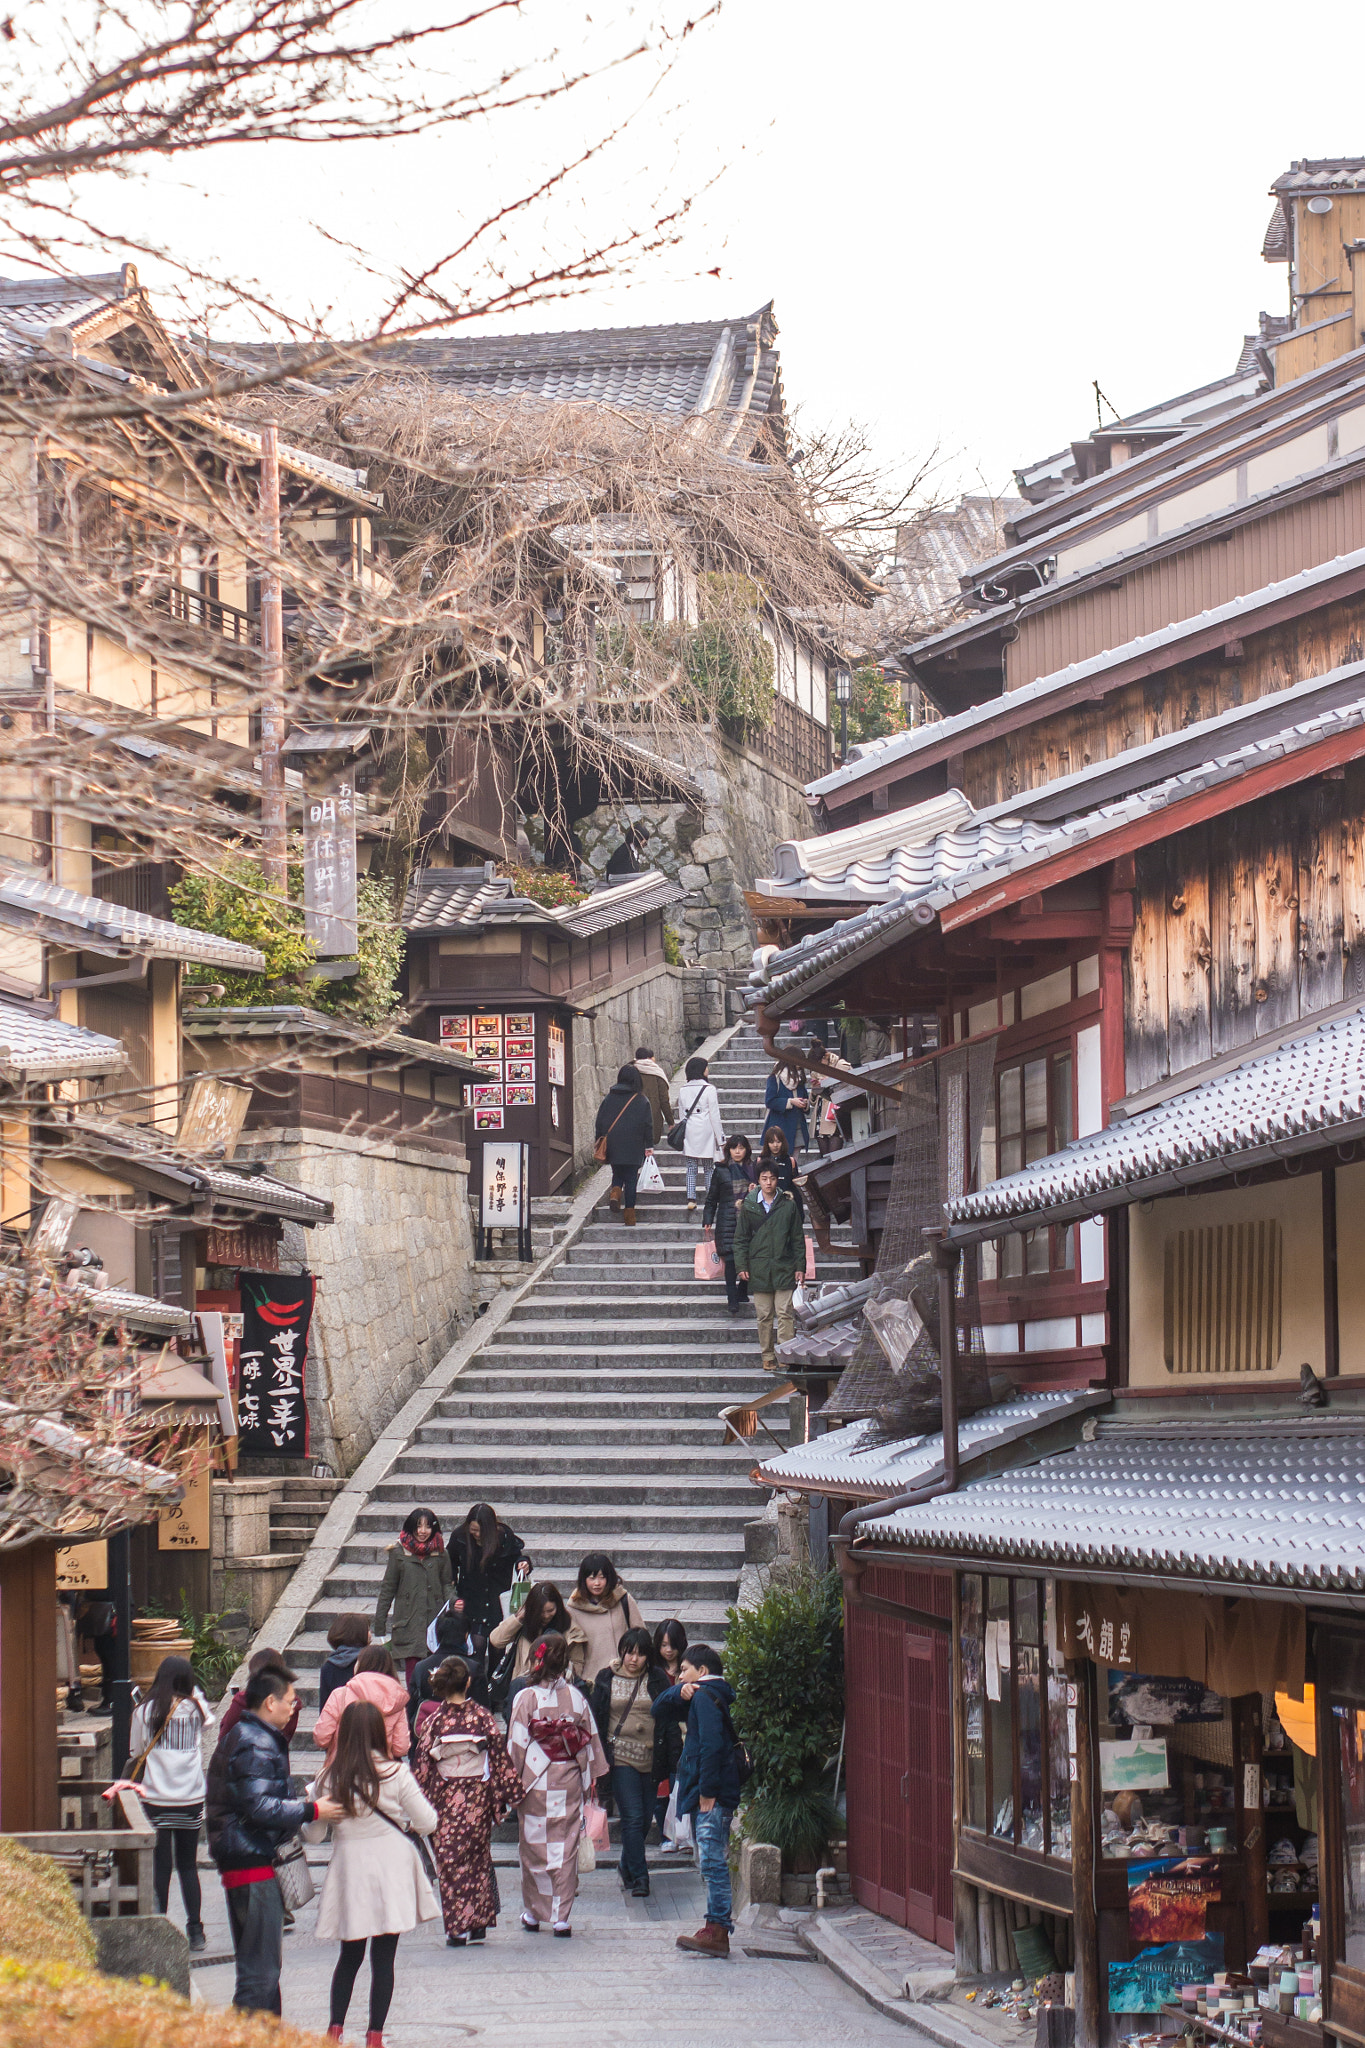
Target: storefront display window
x,y
1015,1728
1345,1661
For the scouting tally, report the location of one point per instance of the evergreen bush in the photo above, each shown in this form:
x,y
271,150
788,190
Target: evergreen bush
x,y
785,1659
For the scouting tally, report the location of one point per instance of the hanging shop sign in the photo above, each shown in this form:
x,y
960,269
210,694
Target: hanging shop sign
x,y
185,1524
506,1201
272,1409
555,1067
1225,1644
329,872
81,1566
214,1113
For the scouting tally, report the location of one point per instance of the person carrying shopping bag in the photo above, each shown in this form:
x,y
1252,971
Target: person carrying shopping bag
x,y
553,1741
624,1137
770,1250
636,1746
376,1887
703,1133
465,1771
730,1183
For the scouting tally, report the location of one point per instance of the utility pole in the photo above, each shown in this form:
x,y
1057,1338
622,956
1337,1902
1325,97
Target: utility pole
x,y
274,833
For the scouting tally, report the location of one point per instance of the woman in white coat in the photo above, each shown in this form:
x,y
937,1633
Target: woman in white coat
x,y
375,1888
704,1134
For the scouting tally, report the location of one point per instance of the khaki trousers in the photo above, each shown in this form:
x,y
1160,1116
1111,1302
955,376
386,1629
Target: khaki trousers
x,y
774,1307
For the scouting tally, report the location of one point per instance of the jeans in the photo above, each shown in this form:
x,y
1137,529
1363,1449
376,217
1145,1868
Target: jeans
x,y
383,1949
697,1169
625,1178
256,1916
633,1792
182,1845
774,1308
736,1290
712,1831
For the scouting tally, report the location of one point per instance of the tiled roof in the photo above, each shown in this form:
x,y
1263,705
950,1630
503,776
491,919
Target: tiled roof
x,y
957,864
692,367
866,862
975,724
933,555
68,918
38,1048
1277,1505
29,307
460,899
853,1460
1306,1093
126,1148
294,1020
138,1311
1323,174
617,902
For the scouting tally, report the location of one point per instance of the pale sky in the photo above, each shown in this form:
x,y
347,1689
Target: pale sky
x,y
963,215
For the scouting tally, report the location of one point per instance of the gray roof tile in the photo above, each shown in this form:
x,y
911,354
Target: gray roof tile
x,y
68,918
38,1048
1278,1505
1303,1094
854,1460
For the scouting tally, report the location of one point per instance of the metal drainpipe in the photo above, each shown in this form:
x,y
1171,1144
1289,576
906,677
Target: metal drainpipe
x,y
946,1258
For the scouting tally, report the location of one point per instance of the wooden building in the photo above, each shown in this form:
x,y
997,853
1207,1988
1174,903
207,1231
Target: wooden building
x,y
501,980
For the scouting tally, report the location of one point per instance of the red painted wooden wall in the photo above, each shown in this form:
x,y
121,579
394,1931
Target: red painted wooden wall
x,y
898,1754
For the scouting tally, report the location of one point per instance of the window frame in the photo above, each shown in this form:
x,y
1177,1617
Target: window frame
x,y
1051,1674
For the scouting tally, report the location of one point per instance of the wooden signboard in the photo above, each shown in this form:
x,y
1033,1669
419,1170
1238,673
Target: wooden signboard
x,y
185,1524
214,1114
82,1565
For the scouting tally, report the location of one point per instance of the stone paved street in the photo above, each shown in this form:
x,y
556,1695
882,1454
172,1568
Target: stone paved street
x,y
620,1980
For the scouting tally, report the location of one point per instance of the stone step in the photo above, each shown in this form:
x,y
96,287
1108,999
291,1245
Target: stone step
x,y
356,1590
666,1411
704,1309
704,1331
608,1356
577,1437
449,1489
637,1379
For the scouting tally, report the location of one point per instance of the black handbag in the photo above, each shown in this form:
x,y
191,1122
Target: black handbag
x,y
677,1137
501,1677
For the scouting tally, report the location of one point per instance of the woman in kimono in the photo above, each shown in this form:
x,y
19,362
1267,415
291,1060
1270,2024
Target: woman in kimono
x,y
463,1767
556,1749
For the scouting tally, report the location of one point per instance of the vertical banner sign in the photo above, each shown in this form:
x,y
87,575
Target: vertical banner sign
x,y
329,893
506,1198
272,1413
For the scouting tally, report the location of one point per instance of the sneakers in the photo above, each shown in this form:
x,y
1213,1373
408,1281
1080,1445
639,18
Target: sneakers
x,y
194,1934
707,1941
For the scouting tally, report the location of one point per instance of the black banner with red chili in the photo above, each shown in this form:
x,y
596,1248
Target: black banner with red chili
x,y
272,1405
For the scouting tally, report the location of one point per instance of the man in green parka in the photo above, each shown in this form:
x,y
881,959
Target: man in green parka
x,y
770,1250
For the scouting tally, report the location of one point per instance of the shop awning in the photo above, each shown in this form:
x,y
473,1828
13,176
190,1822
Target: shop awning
x,y
856,1461
1294,1099
38,1048
132,1153
1225,1506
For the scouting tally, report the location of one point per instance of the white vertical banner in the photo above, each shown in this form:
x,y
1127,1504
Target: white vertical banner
x,y
329,872
506,1202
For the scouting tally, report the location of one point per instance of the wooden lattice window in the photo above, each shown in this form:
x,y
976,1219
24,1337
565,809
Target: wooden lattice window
x,y
1224,1297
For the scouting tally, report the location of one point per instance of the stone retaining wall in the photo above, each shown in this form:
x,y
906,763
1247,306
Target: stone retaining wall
x,y
671,1009
395,1272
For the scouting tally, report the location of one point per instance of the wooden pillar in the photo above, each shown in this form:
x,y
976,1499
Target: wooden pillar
x,y
1331,1335
1251,1819
28,1690
1085,1921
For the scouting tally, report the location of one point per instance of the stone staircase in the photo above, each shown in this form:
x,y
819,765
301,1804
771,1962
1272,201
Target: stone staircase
x,y
590,1418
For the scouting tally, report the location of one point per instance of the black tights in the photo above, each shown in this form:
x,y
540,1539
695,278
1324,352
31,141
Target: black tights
x,y
383,1949
183,1845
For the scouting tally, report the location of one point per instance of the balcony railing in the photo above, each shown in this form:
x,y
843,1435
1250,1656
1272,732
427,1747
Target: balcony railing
x,y
794,742
194,608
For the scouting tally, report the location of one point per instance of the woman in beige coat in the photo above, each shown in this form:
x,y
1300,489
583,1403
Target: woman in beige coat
x,y
375,1888
542,1611
603,1609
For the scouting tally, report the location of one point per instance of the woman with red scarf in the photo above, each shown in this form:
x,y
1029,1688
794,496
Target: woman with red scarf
x,y
417,1585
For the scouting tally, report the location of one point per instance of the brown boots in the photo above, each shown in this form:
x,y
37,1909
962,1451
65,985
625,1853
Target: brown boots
x,y
614,1199
707,1941
628,1215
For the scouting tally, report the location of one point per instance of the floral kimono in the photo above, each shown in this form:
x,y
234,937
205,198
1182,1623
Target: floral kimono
x,y
467,1807
555,1746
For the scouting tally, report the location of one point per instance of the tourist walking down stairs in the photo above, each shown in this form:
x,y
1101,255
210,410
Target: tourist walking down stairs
x,y
603,1609
770,1250
417,1584
376,1888
731,1181
636,1745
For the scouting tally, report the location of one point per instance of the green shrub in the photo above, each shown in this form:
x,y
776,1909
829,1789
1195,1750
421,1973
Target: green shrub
x,y
672,947
785,1660
235,903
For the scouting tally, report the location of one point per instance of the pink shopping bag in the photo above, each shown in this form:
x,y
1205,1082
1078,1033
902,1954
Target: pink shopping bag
x,y
810,1258
707,1264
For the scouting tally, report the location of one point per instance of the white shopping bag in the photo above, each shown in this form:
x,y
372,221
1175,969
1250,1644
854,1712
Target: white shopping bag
x,y
651,1181
677,1826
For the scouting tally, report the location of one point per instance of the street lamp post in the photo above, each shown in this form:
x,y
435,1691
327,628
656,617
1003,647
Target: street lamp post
x,y
843,691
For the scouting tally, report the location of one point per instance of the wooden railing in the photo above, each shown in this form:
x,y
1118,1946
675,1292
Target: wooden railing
x,y
794,742
111,1868
193,608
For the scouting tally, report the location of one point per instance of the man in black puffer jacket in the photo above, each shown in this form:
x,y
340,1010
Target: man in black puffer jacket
x,y
250,1810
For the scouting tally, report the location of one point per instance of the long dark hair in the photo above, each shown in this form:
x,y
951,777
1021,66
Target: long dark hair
x,y
598,1561
353,1779
174,1682
672,1633
421,1515
768,1150
544,1610
485,1519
